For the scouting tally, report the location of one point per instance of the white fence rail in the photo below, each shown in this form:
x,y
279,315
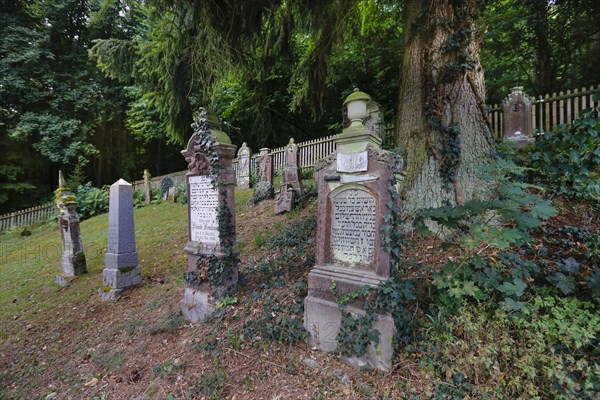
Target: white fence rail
x,y
549,111
28,216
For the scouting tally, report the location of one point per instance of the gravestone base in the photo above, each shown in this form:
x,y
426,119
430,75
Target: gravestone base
x,y
64,280
122,278
322,317
285,200
198,303
243,182
519,142
263,191
109,295
73,265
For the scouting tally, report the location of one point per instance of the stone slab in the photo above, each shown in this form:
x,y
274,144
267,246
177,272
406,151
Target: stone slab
x,y
110,295
352,162
203,207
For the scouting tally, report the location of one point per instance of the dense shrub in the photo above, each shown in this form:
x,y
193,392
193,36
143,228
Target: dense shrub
x,y
91,200
568,159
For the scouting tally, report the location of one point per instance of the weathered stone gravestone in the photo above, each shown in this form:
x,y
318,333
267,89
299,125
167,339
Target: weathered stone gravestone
x,y
147,187
211,247
264,176
72,260
243,170
516,110
121,268
290,180
353,198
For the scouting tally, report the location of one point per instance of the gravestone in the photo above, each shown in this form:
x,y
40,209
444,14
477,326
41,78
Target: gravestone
x,y
516,110
264,176
291,169
211,247
243,171
353,198
72,260
290,180
147,187
121,268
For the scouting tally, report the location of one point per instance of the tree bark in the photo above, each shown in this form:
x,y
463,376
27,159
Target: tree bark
x,y
442,121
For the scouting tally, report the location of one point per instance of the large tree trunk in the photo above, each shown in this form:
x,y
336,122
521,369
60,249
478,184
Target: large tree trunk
x,y
442,123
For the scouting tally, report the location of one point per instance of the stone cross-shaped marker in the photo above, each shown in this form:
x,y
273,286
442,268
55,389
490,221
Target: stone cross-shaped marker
x,y
243,171
73,259
121,260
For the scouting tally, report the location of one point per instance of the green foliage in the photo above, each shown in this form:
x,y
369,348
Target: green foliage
x,y
568,159
547,352
91,200
210,384
181,193
170,322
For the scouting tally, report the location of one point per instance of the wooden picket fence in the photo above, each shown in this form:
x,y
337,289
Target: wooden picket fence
x,y
549,111
28,216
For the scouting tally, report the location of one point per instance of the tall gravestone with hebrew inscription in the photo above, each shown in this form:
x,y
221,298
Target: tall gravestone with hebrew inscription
x,y
211,247
516,111
243,167
121,268
291,186
72,260
353,197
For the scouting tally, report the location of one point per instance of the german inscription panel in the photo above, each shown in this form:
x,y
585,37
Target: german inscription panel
x,y
353,224
203,203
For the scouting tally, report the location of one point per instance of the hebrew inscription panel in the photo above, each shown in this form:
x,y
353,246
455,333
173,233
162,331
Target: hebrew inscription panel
x,y
353,225
203,204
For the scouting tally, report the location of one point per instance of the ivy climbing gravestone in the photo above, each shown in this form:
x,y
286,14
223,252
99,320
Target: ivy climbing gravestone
x,y
72,260
354,196
291,186
121,268
243,170
211,247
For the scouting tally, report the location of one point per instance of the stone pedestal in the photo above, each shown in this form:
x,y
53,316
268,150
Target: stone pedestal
x,y
243,168
516,110
211,215
353,197
121,268
72,260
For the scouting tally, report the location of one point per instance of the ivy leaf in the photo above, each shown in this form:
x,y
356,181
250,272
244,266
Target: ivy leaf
x,y
512,305
594,282
564,283
543,210
517,287
570,265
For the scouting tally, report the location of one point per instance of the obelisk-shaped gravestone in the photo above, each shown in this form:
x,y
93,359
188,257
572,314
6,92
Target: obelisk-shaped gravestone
x,y
211,247
72,260
121,267
353,199
243,170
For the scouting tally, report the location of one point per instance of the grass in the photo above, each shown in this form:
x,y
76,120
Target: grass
x,y
34,261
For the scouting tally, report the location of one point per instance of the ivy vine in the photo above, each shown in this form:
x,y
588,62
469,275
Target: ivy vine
x,y
357,331
210,268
